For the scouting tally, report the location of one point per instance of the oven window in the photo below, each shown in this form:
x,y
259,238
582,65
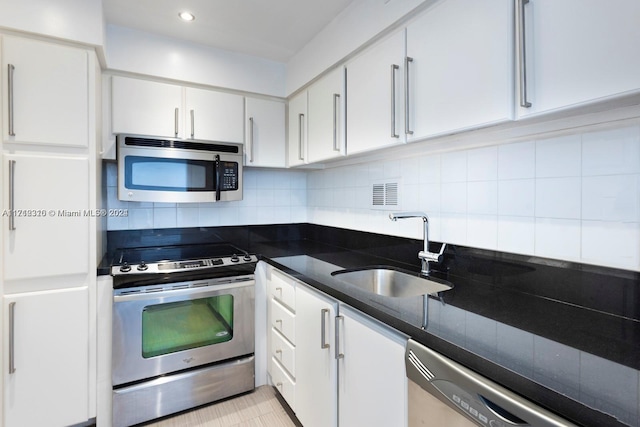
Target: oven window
x,y
177,326
161,174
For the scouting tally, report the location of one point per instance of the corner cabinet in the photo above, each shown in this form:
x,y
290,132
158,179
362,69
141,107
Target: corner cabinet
x,y
331,363
460,67
574,52
265,133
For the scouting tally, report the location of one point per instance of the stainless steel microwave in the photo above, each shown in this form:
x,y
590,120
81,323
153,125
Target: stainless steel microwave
x,y
157,169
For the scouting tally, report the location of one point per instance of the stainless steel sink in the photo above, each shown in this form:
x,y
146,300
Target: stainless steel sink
x,y
391,283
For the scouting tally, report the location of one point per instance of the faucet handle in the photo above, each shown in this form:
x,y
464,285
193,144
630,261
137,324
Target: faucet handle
x,y
432,256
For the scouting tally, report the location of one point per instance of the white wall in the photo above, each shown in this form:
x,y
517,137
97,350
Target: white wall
x,y
571,197
358,23
75,20
145,53
270,197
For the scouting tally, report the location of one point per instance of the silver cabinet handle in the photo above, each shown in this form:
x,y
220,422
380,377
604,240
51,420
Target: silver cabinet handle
x,y
323,328
407,124
300,123
339,354
12,333
394,67
175,119
522,46
251,141
336,99
10,70
193,123
12,194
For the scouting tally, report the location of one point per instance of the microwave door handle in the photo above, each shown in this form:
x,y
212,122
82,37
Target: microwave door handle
x,y
218,177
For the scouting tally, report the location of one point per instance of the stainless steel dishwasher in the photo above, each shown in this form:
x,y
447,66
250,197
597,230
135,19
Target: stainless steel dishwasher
x,y
444,393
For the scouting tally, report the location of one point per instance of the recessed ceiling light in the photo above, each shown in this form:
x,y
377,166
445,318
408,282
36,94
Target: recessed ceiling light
x,y
186,16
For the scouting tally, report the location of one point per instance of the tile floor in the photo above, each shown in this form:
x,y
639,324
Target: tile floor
x,y
258,409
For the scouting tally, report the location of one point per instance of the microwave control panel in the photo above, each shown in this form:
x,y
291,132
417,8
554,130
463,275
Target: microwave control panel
x,y
229,176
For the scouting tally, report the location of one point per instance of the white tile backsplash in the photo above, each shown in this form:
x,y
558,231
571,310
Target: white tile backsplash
x,y
564,197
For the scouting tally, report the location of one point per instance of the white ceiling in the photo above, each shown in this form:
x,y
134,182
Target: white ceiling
x,y
272,29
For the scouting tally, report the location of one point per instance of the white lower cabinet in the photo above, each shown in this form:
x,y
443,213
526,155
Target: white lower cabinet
x,y
341,368
46,370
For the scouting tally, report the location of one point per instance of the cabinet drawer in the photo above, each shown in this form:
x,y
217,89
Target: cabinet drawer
x,y
283,289
282,350
283,321
283,382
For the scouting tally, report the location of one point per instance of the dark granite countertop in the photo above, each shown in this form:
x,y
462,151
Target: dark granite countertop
x,y
563,335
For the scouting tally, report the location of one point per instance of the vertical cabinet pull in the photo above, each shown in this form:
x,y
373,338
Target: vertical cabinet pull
x,y
193,123
12,332
339,354
176,113
394,67
323,328
300,124
336,100
10,70
12,195
407,123
251,139
522,47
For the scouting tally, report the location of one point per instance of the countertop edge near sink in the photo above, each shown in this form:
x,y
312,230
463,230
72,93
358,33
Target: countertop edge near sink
x,y
549,399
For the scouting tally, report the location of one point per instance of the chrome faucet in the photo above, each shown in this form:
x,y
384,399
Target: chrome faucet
x,y
424,255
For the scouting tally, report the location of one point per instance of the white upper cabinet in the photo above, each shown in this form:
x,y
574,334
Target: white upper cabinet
x,y
265,133
577,51
215,116
152,108
326,122
297,135
145,107
375,109
45,93
460,67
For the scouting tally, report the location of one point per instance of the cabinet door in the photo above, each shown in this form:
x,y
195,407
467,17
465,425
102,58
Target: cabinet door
x,y
579,51
325,105
461,72
214,116
51,230
47,340
145,107
266,141
375,110
46,92
297,137
316,367
372,383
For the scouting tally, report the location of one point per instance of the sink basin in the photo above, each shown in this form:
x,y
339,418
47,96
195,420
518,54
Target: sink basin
x,y
391,283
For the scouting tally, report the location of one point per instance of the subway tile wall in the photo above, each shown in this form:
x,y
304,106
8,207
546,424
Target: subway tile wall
x,y
572,197
270,197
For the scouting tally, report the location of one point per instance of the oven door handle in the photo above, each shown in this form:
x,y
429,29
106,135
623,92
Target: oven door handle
x,y
214,289
218,177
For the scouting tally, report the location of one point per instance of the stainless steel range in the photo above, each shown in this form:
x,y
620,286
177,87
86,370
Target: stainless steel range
x,y
183,329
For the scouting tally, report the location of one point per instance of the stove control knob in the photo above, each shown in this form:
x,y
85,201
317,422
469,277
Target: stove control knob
x,y
247,257
125,268
143,266
235,258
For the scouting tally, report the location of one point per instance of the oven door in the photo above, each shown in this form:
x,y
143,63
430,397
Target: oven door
x,y
156,333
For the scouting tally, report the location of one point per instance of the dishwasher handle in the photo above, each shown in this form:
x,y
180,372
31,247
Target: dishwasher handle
x,y
475,396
